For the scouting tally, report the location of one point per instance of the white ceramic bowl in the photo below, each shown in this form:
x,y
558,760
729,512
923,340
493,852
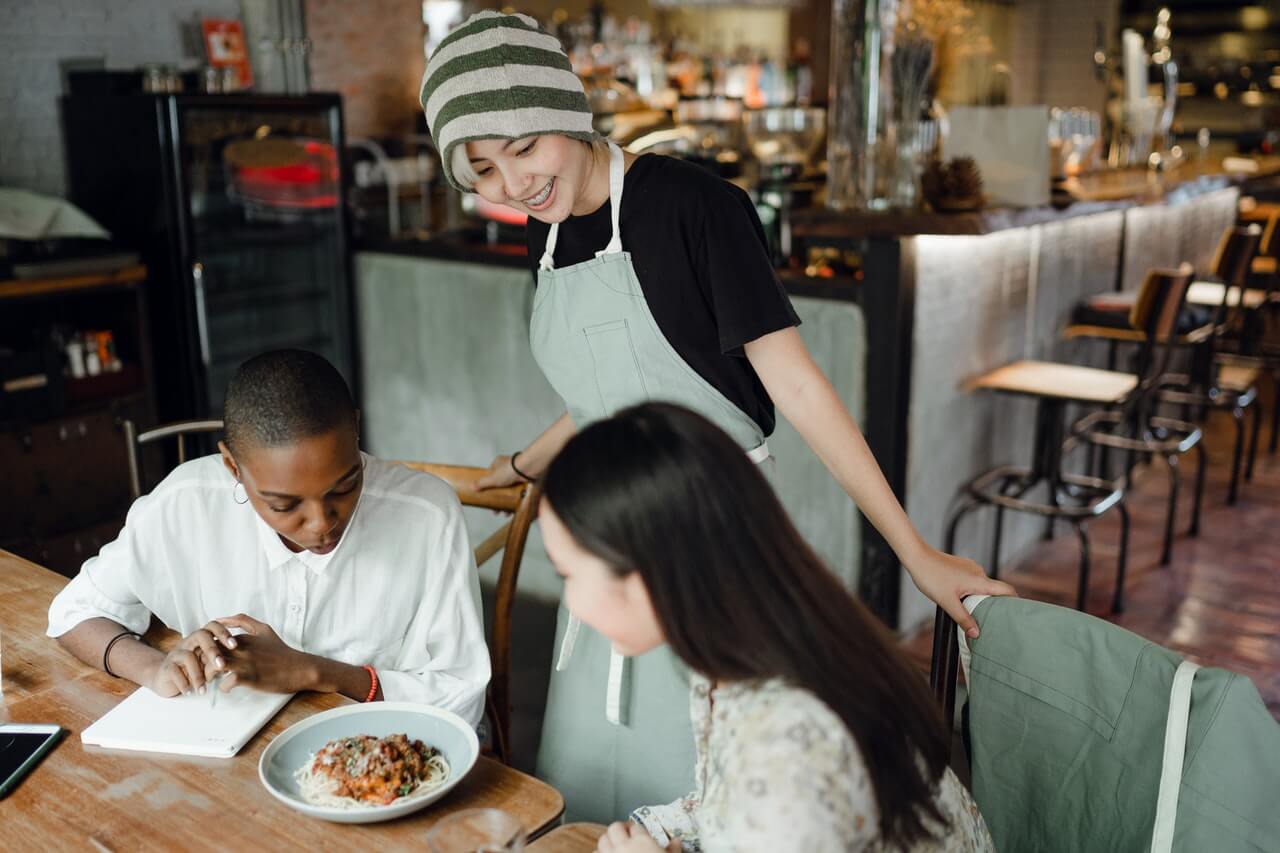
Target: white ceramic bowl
x,y
295,746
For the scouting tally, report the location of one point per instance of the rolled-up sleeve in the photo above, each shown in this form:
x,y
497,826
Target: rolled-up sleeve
x,y
107,585
444,660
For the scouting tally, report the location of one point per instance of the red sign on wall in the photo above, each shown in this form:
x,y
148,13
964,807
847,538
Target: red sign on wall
x,y
225,46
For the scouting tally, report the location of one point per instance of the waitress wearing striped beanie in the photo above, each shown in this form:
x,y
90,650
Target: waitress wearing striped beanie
x,y
653,283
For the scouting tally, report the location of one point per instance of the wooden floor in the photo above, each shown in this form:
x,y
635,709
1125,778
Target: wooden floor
x,y
1218,602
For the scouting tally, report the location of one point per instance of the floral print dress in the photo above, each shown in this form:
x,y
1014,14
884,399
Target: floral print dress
x,y
778,771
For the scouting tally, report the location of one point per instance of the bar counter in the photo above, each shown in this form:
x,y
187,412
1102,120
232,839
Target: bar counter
x,y
940,298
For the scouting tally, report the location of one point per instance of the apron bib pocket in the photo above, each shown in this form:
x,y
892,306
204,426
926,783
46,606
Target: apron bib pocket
x,y
618,375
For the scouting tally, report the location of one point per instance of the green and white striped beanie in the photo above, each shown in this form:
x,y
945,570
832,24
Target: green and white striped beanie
x,y
501,77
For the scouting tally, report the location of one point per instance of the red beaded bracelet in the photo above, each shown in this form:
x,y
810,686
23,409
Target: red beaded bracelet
x,y
373,686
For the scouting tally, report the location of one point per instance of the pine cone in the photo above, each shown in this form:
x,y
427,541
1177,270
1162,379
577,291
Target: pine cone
x,y
963,180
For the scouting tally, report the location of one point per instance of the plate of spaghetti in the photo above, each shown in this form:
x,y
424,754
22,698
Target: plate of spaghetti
x,y
368,763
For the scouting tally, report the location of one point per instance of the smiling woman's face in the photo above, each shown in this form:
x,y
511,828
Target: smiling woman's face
x,y
543,176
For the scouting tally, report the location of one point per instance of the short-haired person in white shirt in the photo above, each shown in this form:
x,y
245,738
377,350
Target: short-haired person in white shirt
x,y
347,574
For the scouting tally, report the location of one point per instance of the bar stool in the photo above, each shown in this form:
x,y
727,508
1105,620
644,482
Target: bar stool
x,y
1258,307
1213,382
1053,386
1147,432
1075,498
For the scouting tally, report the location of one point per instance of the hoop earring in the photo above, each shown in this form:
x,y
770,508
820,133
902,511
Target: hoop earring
x,y
240,485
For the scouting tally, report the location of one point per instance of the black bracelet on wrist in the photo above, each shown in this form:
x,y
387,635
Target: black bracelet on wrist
x,y
106,653
522,475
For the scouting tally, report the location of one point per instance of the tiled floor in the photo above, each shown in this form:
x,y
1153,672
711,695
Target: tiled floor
x,y
1218,602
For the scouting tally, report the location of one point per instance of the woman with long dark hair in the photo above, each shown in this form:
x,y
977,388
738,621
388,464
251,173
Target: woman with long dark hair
x,y
812,731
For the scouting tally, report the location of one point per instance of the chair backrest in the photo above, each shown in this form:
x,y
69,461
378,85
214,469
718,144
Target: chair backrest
x,y
135,441
521,503
1269,246
1073,742
944,666
1234,256
1160,299
1155,313
1232,264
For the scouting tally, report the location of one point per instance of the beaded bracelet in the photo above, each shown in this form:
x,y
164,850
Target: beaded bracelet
x,y
373,683
106,653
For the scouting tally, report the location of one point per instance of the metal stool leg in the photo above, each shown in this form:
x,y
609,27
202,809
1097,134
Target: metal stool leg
x,y
1201,463
1233,490
1117,599
949,541
1253,439
1172,512
1049,520
1082,590
994,566
1275,410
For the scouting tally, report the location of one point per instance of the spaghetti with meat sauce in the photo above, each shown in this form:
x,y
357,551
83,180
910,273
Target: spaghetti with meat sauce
x,y
363,770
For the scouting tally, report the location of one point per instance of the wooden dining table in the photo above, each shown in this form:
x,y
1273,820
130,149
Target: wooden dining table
x,y
85,798
570,838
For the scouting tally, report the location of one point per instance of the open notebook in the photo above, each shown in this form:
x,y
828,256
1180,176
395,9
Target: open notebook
x,y
186,725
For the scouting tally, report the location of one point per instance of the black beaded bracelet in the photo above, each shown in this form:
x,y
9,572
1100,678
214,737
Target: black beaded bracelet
x,y
106,653
522,475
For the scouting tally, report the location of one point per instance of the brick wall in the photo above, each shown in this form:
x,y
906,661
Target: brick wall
x,y
34,36
371,52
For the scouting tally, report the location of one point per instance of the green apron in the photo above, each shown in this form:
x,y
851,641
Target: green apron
x,y
1084,736
616,734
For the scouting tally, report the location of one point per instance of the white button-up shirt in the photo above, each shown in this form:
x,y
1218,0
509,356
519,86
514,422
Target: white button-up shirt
x,y
399,593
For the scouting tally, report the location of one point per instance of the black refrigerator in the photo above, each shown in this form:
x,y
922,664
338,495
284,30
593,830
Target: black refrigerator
x,y
236,205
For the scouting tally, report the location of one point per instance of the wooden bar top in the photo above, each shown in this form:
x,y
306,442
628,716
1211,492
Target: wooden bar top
x,y
1101,192
86,798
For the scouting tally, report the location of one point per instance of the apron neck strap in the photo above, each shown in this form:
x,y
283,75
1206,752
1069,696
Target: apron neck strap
x,y
617,175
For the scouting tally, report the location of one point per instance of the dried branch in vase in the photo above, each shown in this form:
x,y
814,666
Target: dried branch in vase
x,y
955,35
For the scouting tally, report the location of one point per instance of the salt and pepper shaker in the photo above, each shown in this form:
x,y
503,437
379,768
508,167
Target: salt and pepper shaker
x,y
92,353
75,357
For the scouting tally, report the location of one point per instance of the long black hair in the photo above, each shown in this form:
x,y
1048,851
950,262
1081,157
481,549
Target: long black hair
x,y
660,490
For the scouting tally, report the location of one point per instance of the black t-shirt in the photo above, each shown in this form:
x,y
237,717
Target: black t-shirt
x,y
700,254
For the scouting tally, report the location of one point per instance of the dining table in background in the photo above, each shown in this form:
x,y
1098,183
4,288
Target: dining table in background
x,y
85,798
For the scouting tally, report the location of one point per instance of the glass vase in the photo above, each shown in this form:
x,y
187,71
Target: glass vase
x,y
860,149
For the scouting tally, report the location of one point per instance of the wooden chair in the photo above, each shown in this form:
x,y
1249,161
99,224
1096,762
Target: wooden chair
x,y
135,441
521,503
